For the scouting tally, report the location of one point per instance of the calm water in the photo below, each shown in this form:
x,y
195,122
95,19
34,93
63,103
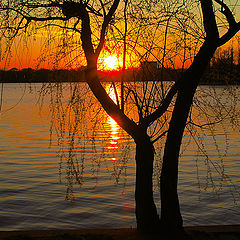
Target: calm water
x,y
38,189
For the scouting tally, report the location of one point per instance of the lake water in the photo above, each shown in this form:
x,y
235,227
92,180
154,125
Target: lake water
x,y
84,177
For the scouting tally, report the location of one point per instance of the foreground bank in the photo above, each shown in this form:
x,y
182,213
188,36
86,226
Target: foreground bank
x,y
228,232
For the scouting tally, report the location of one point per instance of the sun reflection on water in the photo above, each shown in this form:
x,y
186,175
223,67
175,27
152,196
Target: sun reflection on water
x,y
114,137
114,134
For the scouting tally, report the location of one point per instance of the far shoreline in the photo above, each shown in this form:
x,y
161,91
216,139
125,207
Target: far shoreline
x,y
130,75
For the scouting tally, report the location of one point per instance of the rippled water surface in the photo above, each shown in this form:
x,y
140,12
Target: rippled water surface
x,y
37,190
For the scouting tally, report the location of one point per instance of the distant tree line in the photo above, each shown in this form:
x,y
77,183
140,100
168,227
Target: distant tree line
x,y
224,69
78,75
42,75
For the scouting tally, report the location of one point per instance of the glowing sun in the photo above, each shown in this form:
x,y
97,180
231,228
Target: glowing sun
x,y
110,63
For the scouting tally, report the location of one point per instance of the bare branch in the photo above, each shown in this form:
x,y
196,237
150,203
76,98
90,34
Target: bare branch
x,y
160,136
34,6
234,27
94,11
86,35
209,20
162,108
111,107
60,26
103,8
229,34
212,35
31,18
42,19
202,126
105,24
228,13
115,93
139,107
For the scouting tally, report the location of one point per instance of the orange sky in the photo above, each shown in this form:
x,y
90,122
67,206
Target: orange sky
x,y
29,55
22,56
29,51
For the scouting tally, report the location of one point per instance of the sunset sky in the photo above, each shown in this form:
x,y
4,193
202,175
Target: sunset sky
x,y
34,55
54,48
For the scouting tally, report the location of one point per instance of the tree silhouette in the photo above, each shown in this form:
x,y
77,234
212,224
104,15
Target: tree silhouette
x,y
83,18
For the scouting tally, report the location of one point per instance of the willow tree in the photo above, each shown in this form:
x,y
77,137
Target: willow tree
x,y
91,22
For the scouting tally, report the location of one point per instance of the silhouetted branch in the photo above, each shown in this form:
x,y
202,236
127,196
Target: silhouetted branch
x,y
139,107
115,93
209,20
35,6
103,8
111,107
60,26
28,17
234,26
86,33
105,24
227,12
43,19
162,108
159,136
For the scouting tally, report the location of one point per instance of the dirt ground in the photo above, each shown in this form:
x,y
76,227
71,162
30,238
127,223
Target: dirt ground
x,y
195,233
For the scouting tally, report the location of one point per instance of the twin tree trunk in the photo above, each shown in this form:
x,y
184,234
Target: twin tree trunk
x,y
146,212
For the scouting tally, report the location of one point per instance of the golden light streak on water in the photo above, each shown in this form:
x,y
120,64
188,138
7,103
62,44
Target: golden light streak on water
x,y
113,143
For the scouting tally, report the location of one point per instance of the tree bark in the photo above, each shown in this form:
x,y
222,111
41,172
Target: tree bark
x,y
146,211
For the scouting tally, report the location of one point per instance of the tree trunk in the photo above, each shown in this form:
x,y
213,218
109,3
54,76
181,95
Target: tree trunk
x,y
170,210
146,212
171,218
